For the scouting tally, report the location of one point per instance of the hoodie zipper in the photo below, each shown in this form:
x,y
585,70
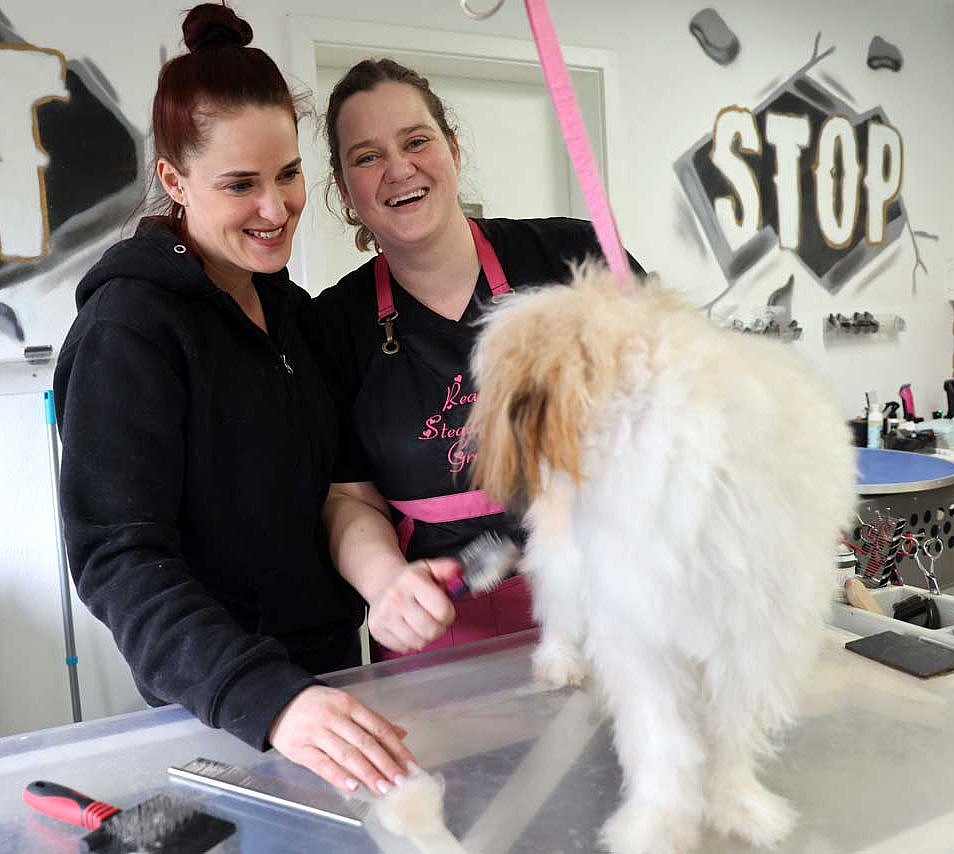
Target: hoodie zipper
x,y
304,434
276,348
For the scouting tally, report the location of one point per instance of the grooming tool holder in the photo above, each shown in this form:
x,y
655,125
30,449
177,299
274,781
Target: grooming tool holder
x,y
865,623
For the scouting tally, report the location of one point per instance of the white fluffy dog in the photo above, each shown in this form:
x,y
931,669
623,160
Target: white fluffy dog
x,y
684,490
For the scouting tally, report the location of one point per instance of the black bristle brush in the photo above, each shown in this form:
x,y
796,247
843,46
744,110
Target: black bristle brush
x,y
162,824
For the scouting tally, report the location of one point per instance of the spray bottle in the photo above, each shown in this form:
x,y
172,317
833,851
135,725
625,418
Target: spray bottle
x,y
874,420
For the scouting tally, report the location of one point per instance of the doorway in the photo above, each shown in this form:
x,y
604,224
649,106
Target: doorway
x,y
514,159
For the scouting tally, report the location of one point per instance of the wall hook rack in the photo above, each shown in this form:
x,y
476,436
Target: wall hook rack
x,y
771,321
863,323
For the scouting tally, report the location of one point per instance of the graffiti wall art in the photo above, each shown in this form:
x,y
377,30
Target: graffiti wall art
x,y
70,162
803,171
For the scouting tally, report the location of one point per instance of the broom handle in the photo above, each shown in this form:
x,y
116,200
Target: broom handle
x,y
64,572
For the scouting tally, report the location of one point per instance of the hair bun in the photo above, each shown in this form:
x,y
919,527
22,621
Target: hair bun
x,y
211,24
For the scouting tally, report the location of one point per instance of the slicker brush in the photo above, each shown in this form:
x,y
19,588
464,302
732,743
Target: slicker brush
x,y
488,560
166,824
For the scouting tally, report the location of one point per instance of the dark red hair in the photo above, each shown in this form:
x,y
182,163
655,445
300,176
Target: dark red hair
x,y
219,74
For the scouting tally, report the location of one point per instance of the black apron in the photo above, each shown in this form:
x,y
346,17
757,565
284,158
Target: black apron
x,y
413,407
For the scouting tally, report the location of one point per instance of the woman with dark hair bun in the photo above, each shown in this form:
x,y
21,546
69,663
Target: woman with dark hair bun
x,y
198,435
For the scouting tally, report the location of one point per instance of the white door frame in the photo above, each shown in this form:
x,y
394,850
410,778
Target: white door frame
x,y
332,41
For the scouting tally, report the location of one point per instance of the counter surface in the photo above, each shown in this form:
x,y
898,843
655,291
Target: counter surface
x,y
870,765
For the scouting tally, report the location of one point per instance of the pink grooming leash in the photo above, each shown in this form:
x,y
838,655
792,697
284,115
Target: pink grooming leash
x,y
577,140
574,131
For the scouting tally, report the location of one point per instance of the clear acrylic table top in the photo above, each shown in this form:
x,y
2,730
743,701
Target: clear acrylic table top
x,y
870,765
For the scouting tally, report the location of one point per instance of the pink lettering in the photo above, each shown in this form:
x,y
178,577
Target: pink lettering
x,y
458,458
429,431
434,427
452,391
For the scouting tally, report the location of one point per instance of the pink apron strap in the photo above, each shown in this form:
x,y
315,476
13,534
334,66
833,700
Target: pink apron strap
x,y
404,528
449,508
441,508
382,287
485,254
489,261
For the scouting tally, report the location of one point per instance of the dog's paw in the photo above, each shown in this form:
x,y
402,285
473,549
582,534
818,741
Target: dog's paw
x,y
644,830
754,814
558,664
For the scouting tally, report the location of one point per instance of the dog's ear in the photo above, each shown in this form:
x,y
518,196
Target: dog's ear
x,y
548,420
527,417
498,468
545,420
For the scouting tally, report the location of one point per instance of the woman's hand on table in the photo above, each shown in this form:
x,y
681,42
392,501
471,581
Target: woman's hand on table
x,y
414,608
342,741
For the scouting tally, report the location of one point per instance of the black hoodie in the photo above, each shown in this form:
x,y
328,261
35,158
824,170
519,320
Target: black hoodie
x,y
197,453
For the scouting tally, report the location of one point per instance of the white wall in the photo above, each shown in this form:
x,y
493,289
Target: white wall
x,y
34,682
667,98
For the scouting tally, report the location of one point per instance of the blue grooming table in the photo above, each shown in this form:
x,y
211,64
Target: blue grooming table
x,y
883,472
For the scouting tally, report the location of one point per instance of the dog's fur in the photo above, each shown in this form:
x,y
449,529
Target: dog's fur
x,y
684,490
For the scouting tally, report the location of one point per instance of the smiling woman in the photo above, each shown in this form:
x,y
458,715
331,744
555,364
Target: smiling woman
x,y
198,435
400,167
240,198
395,336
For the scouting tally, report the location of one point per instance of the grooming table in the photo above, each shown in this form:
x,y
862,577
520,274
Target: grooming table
x,y
915,487
869,767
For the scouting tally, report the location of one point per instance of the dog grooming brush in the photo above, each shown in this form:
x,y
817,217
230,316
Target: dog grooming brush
x,y
488,560
162,824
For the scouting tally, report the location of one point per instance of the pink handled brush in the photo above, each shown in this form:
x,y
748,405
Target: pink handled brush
x,y
488,560
160,824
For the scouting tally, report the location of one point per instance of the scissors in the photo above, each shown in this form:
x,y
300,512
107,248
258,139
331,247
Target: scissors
x,y
931,550
909,544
